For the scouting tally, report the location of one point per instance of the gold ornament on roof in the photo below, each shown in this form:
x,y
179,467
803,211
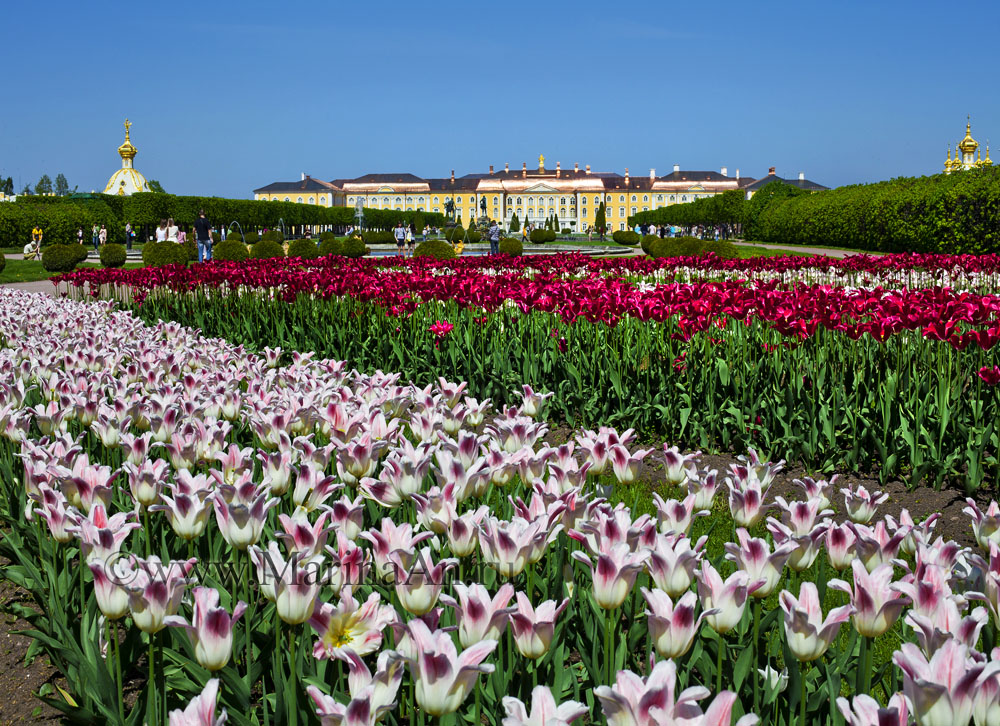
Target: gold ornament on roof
x,y
541,162
126,150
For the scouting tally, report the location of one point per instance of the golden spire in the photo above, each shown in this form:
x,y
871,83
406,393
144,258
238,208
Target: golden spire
x,y
947,163
541,162
126,150
987,161
968,145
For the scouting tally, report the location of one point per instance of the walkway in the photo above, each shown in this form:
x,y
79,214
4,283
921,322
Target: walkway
x,y
808,250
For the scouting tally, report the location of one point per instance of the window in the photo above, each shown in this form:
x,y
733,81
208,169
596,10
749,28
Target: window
x,y
496,200
621,198
385,200
519,200
287,199
552,201
398,200
633,197
561,201
645,198
562,211
673,198
659,197
645,209
437,209
312,200
496,212
597,200
684,198
633,210
531,200
350,200
621,226
299,200
472,200
435,201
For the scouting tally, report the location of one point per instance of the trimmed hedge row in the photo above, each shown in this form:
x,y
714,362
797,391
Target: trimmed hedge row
x,y
63,258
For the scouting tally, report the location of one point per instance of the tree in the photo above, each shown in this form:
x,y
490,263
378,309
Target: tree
x,y
7,185
515,223
62,186
155,186
600,220
472,221
27,189
44,185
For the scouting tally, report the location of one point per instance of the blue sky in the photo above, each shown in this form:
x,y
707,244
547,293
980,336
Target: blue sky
x,y
225,96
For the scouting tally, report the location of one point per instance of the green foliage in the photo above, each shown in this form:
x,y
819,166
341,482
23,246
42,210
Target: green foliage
x,y
62,186
44,185
454,234
600,219
252,238
192,249
266,249
157,254
330,245
113,255
647,241
62,258
234,235
729,207
156,187
274,235
379,237
232,250
323,236
515,223
3,262
436,248
474,236
566,230
511,246
353,247
541,236
304,248
626,237
720,248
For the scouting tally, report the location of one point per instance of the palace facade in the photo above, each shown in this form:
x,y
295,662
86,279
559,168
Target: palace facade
x,y
534,195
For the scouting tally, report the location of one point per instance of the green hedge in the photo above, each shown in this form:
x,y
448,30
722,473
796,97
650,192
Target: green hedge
x,y
230,251
541,236
626,237
376,237
511,246
3,262
353,247
63,258
267,248
330,246
648,240
436,248
157,254
113,255
304,248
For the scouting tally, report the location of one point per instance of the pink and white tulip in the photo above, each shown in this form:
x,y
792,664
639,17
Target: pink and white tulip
x,y
544,711
534,628
672,626
807,633
443,677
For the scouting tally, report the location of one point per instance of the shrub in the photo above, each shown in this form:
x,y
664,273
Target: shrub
x,y
538,236
192,250
234,236
330,246
436,248
687,246
381,237
113,255
353,247
60,258
230,251
274,235
647,241
723,249
304,248
252,238
474,236
266,249
626,237
216,238
566,230
511,246
659,247
3,262
323,236
157,254
454,234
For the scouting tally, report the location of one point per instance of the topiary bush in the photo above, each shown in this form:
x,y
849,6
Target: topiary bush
x,y
539,236
60,258
511,246
436,248
113,255
157,254
566,230
234,236
648,240
266,249
626,237
274,235
687,246
3,262
455,234
379,237
192,250
330,246
323,236
252,238
353,247
721,248
230,251
216,238
304,248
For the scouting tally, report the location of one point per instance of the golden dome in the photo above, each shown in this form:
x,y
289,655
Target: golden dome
x,y
968,145
126,150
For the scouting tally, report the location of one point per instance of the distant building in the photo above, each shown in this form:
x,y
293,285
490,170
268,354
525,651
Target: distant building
x,y
127,181
801,183
970,156
573,196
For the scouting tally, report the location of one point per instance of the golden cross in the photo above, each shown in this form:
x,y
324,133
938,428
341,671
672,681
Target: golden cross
x,y
128,125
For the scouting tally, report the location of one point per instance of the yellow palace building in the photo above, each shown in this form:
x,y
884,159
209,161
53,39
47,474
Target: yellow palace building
x,y
534,195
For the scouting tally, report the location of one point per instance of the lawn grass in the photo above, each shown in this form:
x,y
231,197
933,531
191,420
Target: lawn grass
x,y
32,270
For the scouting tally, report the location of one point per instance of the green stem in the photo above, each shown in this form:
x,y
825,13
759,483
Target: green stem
x,y
756,656
608,627
151,684
869,652
802,695
293,713
113,632
145,529
718,663
859,683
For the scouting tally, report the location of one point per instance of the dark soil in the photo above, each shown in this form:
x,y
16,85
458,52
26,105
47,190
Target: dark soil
x,y
20,679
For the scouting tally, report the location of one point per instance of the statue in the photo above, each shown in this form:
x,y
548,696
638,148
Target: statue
x,y
482,205
449,208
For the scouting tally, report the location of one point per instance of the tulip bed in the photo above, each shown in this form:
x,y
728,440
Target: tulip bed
x,y
234,534
882,364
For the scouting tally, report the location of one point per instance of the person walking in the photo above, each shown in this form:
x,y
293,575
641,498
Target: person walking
x,y
524,235
128,235
102,236
79,235
94,232
427,231
203,234
411,238
494,235
400,234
